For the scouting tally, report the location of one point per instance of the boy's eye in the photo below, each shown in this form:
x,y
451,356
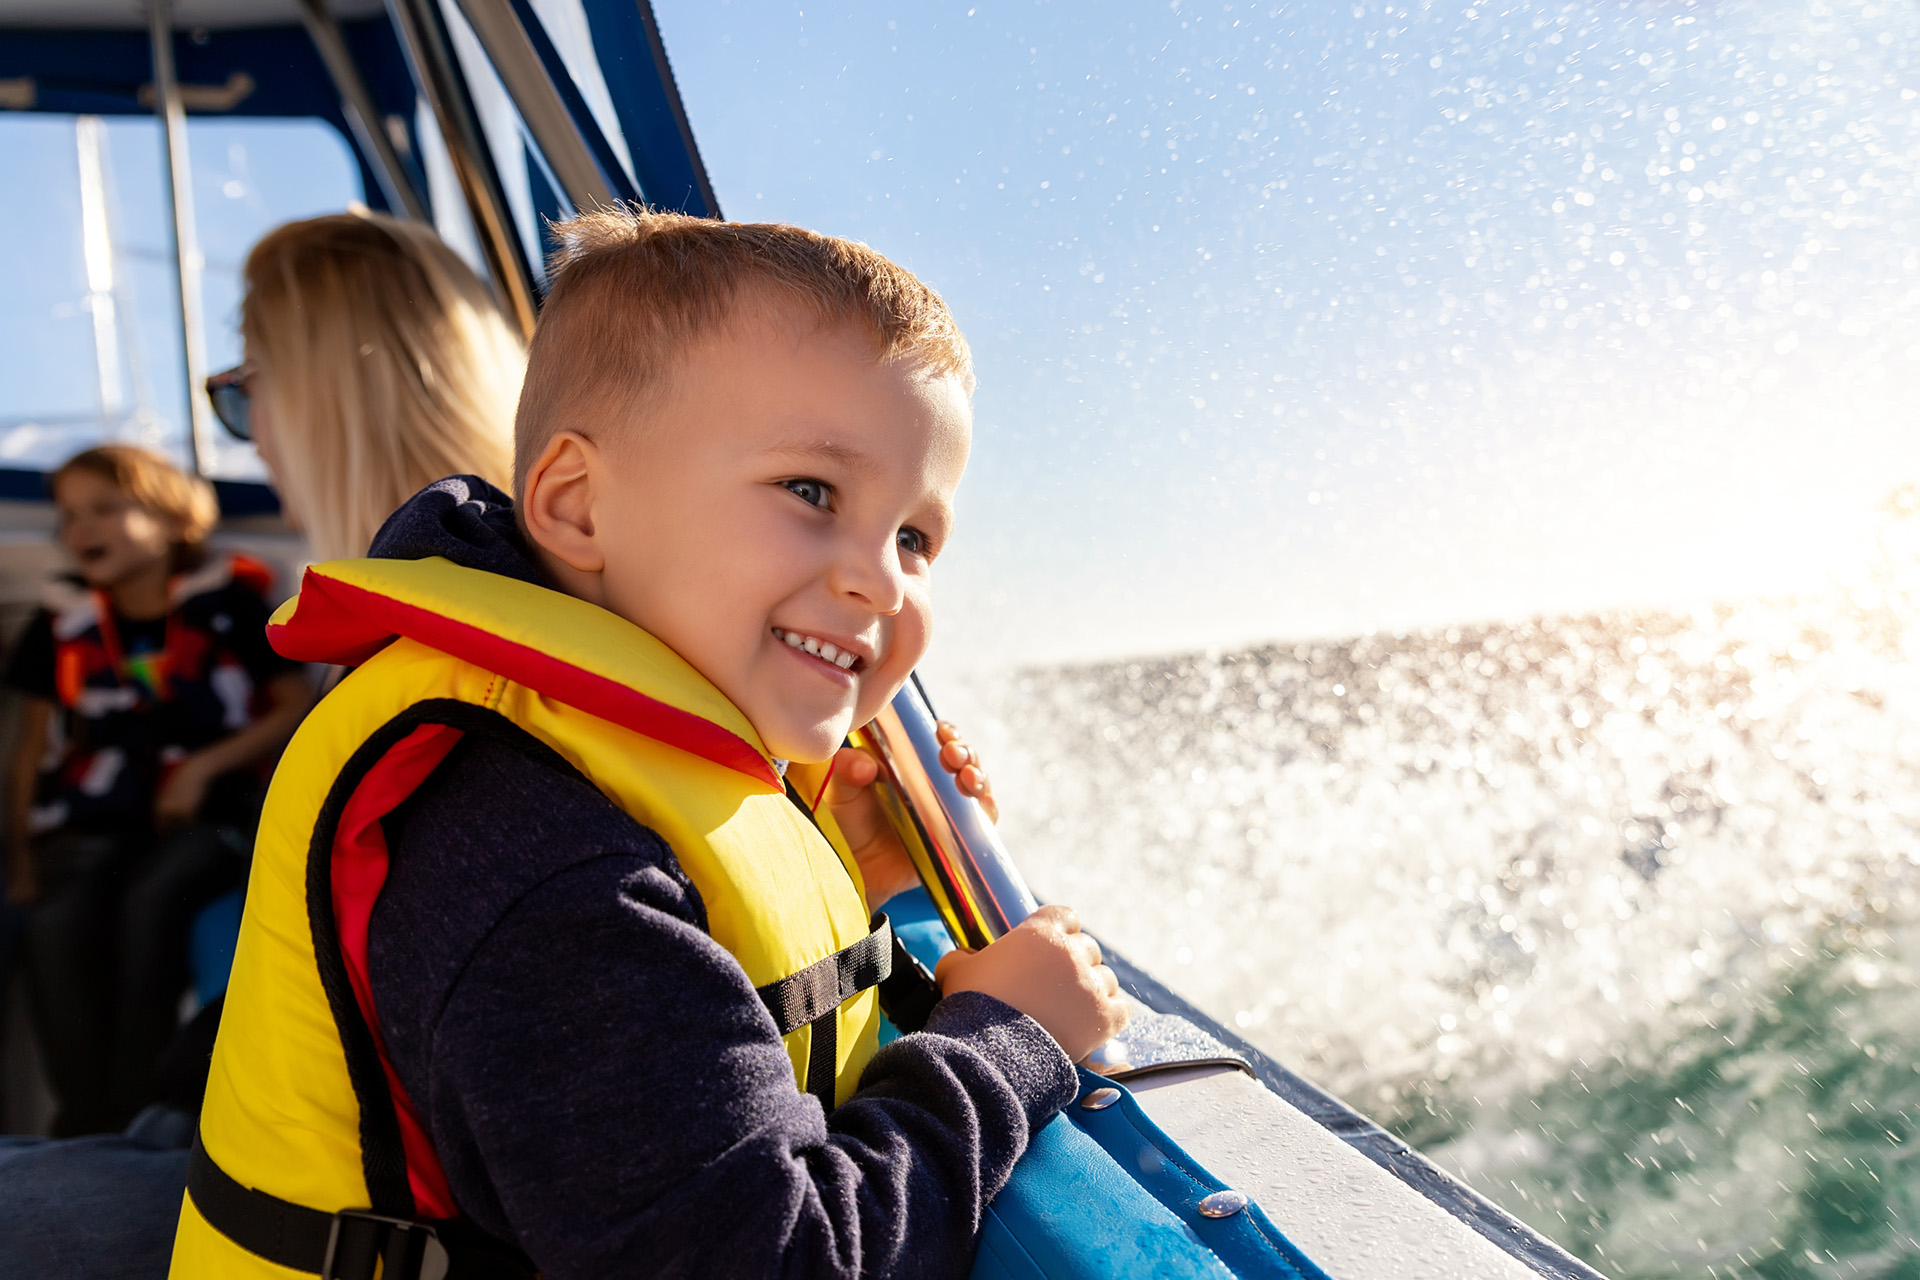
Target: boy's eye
x,y
912,541
815,493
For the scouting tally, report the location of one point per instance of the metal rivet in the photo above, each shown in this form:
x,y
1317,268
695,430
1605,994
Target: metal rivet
x,y
1223,1204
1100,1099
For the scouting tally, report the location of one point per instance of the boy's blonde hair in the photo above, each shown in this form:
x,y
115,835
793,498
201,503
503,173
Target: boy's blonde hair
x,y
157,485
630,289
387,366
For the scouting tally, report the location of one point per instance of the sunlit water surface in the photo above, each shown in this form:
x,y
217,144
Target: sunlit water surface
x,y
1617,917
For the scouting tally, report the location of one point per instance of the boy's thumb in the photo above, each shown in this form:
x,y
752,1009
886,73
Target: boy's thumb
x,y
853,768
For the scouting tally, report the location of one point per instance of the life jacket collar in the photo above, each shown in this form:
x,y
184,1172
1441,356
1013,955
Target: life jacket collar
x,y
560,646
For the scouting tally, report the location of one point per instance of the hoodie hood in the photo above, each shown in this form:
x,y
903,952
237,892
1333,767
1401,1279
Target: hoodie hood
x,y
463,519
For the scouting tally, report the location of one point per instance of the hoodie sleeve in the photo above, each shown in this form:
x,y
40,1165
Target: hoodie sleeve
x,y
606,1090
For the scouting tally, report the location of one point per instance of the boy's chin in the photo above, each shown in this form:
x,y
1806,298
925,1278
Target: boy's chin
x,y
809,743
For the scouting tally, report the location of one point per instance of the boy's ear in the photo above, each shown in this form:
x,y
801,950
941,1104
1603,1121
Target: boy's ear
x,y
557,501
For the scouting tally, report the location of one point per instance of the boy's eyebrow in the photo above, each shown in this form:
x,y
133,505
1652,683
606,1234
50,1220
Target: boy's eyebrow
x,y
826,451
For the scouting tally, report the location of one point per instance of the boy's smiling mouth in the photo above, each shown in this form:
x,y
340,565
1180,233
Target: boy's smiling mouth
x,y
826,651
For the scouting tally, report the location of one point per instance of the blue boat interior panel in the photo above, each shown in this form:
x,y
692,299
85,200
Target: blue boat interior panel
x,y
1246,1241
1105,1193
1069,1210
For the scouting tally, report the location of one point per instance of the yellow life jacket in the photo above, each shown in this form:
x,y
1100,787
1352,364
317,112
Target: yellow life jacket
x,y
305,1131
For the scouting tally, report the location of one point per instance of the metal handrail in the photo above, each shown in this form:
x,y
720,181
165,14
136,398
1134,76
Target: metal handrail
x,y
186,245
556,115
423,35
363,115
968,873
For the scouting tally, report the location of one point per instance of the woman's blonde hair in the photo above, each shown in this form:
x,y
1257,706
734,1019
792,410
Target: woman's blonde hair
x,y
386,366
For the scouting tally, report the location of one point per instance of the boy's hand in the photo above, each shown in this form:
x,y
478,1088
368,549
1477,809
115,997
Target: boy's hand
x,y
884,865
177,802
1050,971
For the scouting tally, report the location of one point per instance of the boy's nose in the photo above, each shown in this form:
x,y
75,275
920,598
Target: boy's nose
x,y
874,577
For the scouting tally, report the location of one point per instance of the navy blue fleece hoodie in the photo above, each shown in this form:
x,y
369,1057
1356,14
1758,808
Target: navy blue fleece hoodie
x,y
602,1084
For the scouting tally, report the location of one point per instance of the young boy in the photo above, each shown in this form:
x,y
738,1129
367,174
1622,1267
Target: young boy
x,y
152,700
540,946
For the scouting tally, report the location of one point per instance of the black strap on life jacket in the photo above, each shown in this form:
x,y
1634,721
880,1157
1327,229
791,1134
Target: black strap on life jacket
x,y
907,990
811,997
346,1245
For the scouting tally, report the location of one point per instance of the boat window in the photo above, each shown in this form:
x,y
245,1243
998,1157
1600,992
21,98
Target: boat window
x,y
1435,580
90,336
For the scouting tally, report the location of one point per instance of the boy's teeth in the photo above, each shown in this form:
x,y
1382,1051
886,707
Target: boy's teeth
x,y
840,658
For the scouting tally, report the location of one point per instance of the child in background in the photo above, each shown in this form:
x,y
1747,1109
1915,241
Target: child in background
x,y
153,700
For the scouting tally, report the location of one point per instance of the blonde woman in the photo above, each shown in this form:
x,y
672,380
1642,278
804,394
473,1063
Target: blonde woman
x,y
376,363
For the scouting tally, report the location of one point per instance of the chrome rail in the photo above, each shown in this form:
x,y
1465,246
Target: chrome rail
x,y
561,124
363,115
969,874
186,241
980,893
422,29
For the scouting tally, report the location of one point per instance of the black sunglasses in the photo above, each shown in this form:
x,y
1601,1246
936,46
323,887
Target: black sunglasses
x,y
231,402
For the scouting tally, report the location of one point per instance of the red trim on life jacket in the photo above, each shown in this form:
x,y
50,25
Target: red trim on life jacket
x,y
69,672
359,872
341,623
825,782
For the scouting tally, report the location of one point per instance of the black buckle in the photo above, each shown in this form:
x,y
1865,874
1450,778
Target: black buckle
x,y
412,1250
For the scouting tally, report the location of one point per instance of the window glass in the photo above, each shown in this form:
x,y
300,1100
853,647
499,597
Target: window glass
x,y
90,344
1434,578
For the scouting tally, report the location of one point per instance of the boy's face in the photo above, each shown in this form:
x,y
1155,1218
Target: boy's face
x,y
111,537
775,518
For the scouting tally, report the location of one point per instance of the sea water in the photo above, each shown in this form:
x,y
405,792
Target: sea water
x,y
1616,917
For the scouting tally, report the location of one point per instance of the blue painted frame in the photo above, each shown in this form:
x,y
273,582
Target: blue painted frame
x,y
605,158
666,160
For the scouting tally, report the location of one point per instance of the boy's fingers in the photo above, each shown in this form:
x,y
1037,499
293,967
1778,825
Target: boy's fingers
x,y
956,755
946,730
1056,920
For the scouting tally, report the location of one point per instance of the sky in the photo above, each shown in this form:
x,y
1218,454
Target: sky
x,y
1296,320
1293,321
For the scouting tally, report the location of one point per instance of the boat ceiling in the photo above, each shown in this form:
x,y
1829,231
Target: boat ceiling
x,y
212,15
